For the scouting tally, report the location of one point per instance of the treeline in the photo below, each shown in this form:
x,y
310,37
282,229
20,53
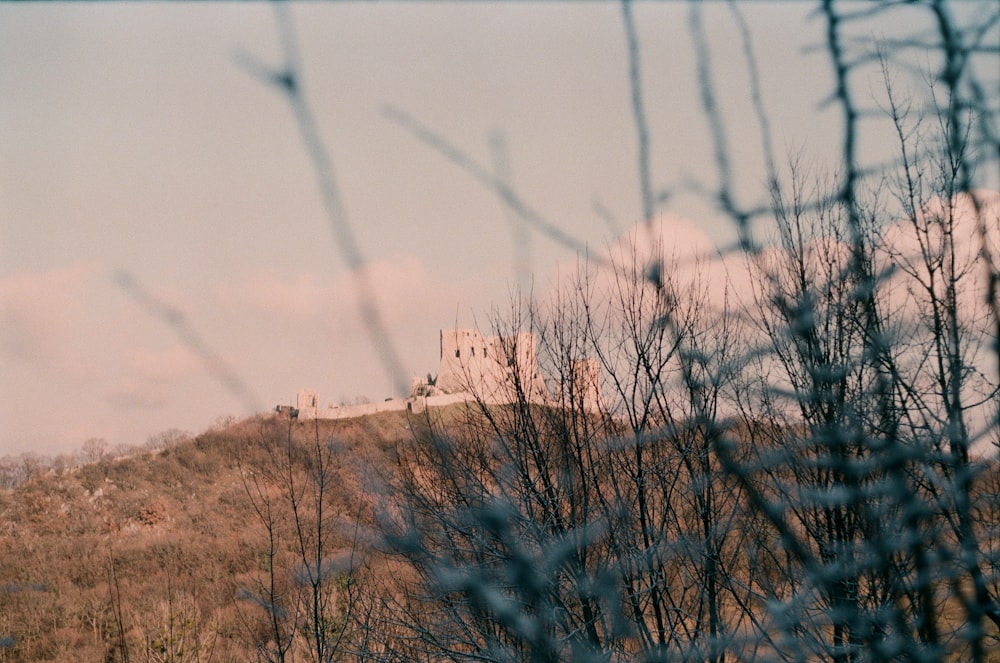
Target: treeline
x,y
16,470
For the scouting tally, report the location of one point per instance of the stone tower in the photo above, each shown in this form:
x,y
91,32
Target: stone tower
x,y
307,403
489,367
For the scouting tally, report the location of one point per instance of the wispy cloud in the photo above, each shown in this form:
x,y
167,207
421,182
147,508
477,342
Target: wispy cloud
x,y
39,312
405,287
153,377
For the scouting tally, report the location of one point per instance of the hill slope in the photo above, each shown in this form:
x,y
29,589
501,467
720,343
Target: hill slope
x,y
146,557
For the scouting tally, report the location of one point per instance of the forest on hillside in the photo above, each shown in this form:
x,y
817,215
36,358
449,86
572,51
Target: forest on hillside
x,y
793,456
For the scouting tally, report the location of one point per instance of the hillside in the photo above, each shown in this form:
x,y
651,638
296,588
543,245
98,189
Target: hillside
x,y
499,530
147,557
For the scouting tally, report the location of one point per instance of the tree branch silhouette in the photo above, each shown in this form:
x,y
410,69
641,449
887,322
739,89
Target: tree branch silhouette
x,y
288,81
175,319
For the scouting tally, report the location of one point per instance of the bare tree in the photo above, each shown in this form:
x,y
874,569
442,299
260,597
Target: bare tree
x,y
796,479
306,593
93,449
585,524
863,463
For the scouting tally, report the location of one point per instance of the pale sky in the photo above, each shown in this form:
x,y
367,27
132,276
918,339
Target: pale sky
x,y
132,140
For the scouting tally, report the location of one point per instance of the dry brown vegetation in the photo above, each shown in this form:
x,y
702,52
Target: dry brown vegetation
x,y
143,558
163,556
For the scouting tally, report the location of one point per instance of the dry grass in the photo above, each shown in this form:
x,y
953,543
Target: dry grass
x,y
172,531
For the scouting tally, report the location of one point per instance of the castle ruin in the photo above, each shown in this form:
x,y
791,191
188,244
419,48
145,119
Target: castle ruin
x,y
494,370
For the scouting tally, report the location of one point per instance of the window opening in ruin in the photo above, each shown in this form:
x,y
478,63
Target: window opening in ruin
x,y
473,351
458,353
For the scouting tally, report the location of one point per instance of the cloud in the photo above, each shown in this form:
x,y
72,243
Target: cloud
x,y
685,254
403,289
152,377
305,330
39,312
910,242
301,296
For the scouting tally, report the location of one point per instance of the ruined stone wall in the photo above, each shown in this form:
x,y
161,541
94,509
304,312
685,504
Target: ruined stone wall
x,y
414,404
351,411
307,403
492,368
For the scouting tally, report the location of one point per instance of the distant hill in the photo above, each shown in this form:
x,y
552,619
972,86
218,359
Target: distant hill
x,y
150,557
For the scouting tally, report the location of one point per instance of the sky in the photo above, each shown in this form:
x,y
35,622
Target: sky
x,y
166,260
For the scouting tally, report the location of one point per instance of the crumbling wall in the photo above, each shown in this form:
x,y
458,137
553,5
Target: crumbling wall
x,y
351,411
490,369
495,369
307,403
